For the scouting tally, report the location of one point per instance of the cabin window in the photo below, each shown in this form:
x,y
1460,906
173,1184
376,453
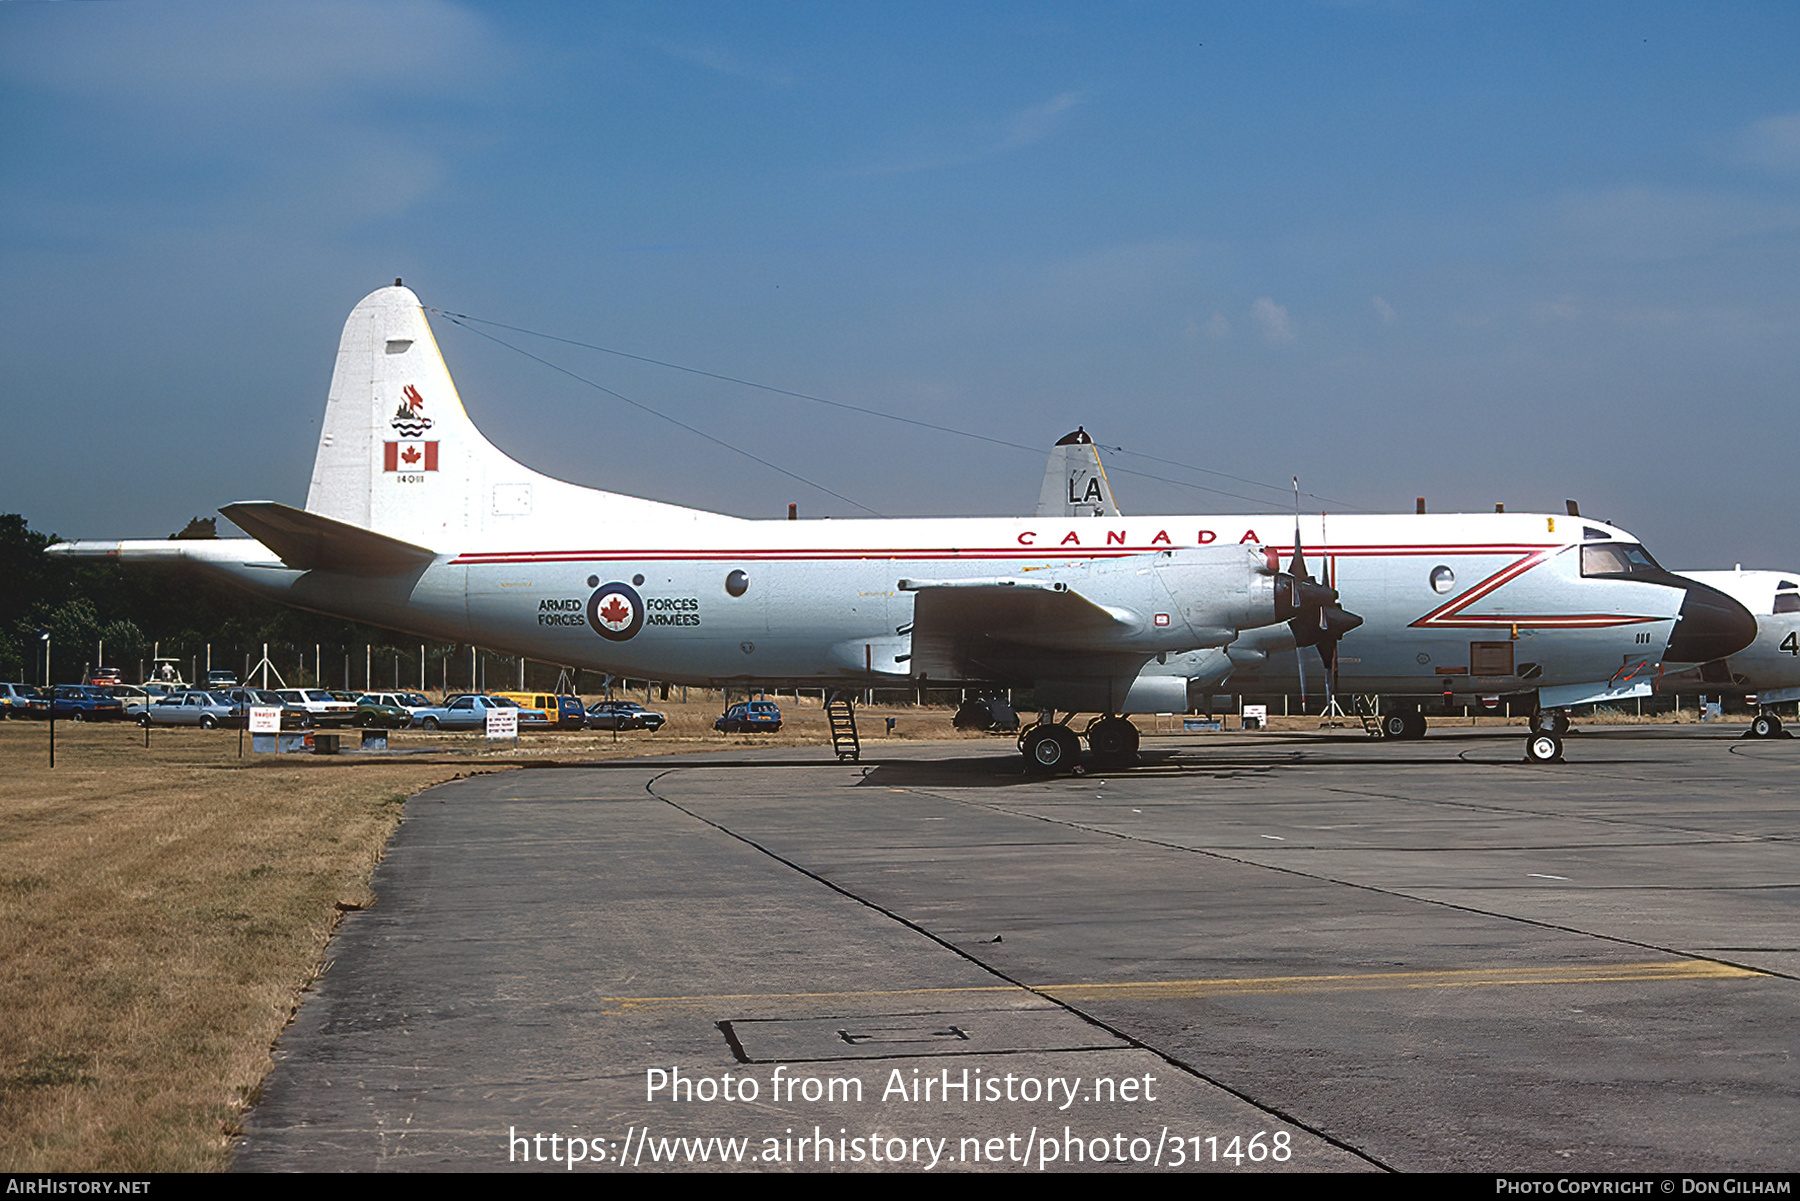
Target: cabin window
x,y
737,583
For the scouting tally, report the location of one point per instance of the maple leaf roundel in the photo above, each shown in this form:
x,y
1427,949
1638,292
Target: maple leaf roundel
x,y
615,611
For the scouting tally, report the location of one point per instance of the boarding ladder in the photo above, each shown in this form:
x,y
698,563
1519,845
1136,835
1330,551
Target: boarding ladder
x,y
842,716
1369,711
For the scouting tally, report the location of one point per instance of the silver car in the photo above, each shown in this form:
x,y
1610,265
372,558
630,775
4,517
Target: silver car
x,y
208,710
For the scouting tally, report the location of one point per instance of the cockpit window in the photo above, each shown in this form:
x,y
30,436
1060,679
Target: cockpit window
x,y
1589,533
1787,602
1613,559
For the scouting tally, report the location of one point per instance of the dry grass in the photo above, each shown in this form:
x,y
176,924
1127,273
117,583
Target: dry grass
x,y
162,909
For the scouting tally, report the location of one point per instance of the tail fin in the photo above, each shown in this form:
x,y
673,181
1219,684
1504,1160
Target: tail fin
x,y
1075,482
399,455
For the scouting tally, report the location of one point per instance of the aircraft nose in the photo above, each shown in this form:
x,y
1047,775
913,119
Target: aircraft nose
x,y
1711,626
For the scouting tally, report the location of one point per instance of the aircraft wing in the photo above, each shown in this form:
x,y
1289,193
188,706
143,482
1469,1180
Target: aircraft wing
x,y
306,541
962,628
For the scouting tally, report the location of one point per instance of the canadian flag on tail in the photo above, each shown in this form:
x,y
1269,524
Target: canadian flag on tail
x,y
409,456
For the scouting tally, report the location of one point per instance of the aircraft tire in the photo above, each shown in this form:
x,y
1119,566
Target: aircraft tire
x,y
1395,725
1113,740
1543,747
1766,725
973,715
1051,750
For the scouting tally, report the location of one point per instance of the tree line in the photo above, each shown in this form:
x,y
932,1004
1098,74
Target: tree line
x,y
85,604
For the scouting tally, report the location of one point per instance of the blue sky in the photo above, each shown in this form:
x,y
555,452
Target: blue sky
x,y
1477,252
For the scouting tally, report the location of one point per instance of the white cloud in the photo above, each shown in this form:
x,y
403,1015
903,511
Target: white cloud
x,y
1562,308
1272,319
725,62
987,140
1038,122
1383,310
232,53
1215,329
1773,143
1639,224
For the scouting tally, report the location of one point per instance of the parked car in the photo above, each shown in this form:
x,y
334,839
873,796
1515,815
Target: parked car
x,y
84,702
750,717
294,715
623,715
22,700
563,711
413,703
135,699
469,712
208,710
105,677
220,677
375,713
325,709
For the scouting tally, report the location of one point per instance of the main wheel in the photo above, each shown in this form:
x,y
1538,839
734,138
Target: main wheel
x,y
1113,740
1051,749
973,715
1395,725
1544,747
1766,725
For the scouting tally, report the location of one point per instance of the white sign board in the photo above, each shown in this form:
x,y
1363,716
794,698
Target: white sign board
x,y
502,723
265,719
1259,712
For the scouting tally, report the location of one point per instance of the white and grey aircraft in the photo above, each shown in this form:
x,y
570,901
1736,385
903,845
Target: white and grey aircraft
x,y
415,522
1461,607
1769,668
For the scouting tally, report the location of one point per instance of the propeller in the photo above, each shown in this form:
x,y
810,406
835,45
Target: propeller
x,y
1321,623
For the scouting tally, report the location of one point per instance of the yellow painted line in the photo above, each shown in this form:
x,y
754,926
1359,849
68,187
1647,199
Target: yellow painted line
x,y
1589,973
640,1002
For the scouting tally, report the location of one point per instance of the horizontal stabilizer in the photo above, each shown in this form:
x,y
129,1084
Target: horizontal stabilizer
x,y
308,542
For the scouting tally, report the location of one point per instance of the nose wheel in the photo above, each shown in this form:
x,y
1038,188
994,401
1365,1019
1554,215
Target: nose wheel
x,y
1543,747
1766,725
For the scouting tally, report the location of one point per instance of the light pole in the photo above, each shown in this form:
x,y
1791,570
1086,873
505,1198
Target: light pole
x,y
49,696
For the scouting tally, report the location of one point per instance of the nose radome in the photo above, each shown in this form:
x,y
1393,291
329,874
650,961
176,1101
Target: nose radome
x,y
1711,626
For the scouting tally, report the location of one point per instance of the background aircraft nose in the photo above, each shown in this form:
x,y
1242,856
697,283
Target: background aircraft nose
x,y
1712,625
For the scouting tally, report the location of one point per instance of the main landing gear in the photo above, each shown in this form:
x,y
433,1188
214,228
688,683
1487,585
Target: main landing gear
x,y
1050,747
